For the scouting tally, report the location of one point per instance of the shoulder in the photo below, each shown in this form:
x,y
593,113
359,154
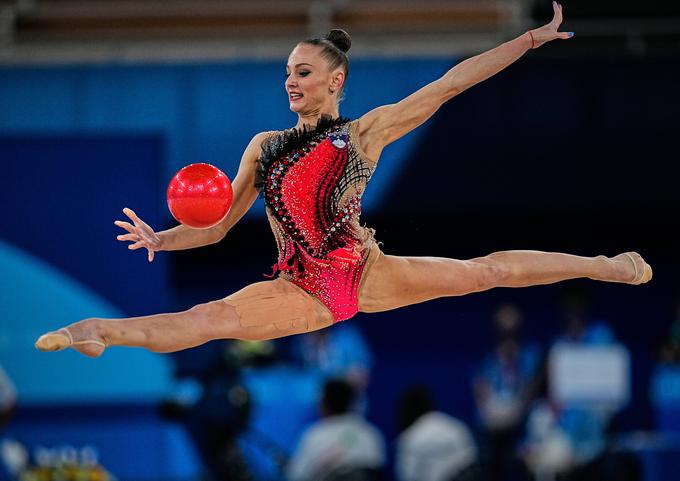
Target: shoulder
x,y
256,144
434,425
261,137
361,424
318,431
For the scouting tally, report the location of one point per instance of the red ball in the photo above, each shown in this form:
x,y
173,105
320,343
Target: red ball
x,y
199,196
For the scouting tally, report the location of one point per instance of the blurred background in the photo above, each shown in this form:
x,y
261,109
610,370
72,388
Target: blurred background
x,y
570,149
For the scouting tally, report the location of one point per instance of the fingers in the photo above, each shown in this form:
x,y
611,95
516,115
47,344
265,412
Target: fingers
x,y
137,233
137,221
128,237
126,225
131,214
557,21
139,245
557,15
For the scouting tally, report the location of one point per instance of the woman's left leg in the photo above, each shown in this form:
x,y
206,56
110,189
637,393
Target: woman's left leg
x,y
393,281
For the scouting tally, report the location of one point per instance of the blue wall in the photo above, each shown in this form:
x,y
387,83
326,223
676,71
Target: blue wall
x,y
204,113
60,262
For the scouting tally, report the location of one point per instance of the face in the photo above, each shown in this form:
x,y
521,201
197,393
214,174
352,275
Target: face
x,y
310,85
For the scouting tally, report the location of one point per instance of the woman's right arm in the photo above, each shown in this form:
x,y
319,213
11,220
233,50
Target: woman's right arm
x,y
182,237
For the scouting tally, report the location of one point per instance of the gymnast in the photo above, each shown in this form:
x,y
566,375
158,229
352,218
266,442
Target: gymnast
x,y
312,178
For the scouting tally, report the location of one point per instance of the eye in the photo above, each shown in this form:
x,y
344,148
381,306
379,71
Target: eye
x,y
287,74
304,73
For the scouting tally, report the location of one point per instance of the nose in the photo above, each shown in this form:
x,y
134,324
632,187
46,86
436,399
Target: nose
x,y
290,82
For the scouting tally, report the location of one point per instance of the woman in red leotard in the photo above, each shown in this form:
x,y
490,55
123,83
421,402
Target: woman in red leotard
x,y
312,178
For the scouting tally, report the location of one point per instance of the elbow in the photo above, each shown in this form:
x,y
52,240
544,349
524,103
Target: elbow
x,y
221,230
455,84
219,233
454,89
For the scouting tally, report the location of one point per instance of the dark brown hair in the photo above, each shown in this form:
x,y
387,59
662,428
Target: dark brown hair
x,y
334,48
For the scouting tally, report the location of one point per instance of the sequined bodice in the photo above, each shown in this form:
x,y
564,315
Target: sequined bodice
x,y
312,182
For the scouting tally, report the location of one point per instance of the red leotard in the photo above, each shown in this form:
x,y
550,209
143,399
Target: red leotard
x,y
312,182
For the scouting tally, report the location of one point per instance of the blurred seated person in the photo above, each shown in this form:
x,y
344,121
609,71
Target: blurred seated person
x,y
503,388
214,405
341,352
559,439
580,325
432,446
341,445
569,444
588,382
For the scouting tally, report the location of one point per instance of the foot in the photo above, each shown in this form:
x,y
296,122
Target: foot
x,y
629,268
90,345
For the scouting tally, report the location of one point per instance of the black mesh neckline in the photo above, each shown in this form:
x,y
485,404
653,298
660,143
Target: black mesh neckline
x,y
282,144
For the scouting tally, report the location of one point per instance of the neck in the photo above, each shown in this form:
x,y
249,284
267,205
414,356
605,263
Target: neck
x,y
311,118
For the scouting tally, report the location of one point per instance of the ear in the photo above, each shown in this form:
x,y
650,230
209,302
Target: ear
x,y
337,81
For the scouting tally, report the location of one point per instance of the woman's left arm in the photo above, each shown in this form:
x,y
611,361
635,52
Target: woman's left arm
x,y
387,123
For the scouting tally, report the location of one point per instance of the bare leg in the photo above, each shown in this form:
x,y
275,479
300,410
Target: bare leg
x,y
265,310
91,336
530,268
395,281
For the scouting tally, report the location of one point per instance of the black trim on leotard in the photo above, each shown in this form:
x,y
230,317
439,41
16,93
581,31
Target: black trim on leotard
x,y
279,145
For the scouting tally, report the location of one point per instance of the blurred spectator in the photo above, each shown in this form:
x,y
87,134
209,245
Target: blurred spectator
x,y
568,444
219,412
342,445
340,352
547,449
503,390
432,446
580,325
562,438
584,423
588,381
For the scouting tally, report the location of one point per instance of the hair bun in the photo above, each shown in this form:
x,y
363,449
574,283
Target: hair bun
x,y
340,39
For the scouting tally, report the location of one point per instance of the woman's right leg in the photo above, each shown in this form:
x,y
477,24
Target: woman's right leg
x,y
264,310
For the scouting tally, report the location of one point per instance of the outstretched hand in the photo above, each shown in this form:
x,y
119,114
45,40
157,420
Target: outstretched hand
x,y
140,233
549,32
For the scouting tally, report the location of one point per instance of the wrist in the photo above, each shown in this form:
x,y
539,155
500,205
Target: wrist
x,y
532,40
162,241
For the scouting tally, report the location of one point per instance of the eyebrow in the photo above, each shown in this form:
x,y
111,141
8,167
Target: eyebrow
x,y
303,63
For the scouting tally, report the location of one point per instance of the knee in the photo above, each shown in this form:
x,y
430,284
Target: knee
x,y
215,319
491,273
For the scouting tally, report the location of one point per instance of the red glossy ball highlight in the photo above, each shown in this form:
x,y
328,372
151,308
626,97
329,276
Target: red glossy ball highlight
x,y
199,196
